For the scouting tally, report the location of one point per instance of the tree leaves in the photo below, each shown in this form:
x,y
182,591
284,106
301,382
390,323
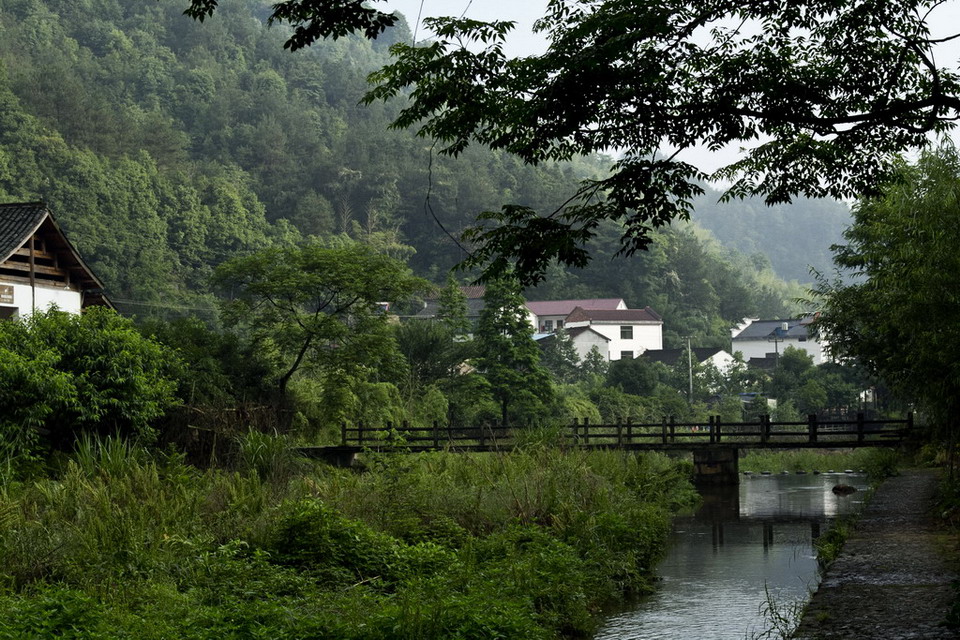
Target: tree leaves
x,y
826,92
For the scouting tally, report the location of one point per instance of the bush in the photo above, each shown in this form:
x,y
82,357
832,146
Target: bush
x,y
71,374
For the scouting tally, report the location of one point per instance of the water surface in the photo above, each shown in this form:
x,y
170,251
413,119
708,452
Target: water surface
x,y
741,544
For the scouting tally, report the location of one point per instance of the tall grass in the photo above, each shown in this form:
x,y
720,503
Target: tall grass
x,y
123,542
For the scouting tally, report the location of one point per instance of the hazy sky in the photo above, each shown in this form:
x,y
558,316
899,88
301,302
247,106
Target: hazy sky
x,y
944,21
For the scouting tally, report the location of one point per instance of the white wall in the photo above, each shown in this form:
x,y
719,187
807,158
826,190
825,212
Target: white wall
x,y
760,348
41,298
584,342
645,336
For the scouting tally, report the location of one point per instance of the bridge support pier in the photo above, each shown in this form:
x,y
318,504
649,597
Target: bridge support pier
x,y
719,466
336,456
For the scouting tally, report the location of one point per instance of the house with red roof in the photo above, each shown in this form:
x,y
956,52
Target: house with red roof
x,y
547,316
630,332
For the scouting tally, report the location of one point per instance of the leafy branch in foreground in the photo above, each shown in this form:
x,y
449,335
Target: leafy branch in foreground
x,y
826,92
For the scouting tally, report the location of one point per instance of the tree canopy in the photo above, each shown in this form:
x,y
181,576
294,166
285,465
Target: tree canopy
x,y
312,300
826,93
899,316
314,19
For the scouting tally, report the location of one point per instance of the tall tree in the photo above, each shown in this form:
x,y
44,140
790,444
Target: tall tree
x,y
507,356
819,88
452,307
900,317
315,303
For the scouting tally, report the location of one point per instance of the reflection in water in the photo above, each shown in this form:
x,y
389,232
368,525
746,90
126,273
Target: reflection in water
x,y
743,542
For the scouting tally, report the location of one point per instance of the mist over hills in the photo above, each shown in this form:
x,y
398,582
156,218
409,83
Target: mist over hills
x,y
794,237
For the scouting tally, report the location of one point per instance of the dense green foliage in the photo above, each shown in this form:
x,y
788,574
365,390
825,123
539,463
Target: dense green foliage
x,y
506,354
526,545
64,375
794,238
317,305
166,147
808,95
898,318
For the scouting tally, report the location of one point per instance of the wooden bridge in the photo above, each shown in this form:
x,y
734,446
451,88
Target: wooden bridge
x,y
714,443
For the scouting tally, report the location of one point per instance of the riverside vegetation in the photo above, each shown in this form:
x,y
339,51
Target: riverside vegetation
x,y
117,541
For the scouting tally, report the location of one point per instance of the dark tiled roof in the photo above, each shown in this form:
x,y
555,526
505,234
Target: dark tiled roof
x,y
670,356
761,329
18,221
613,315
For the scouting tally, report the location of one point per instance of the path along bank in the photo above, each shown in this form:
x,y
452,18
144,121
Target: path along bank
x,y
893,578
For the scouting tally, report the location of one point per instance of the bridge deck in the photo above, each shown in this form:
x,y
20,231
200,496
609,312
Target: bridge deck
x,y
668,435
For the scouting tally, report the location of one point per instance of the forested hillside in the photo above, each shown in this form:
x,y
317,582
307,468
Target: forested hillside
x,y
794,237
165,146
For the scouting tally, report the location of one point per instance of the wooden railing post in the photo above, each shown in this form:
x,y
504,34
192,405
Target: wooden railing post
x,y
620,431
765,428
713,431
664,430
717,423
483,435
910,421
586,431
673,429
360,433
860,426
343,433
576,430
630,430
436,434
812,427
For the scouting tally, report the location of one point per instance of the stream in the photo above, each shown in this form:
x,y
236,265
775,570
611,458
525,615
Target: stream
x,y
742,544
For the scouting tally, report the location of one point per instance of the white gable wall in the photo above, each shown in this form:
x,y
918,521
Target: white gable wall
x,y
646,335
761,347
26,299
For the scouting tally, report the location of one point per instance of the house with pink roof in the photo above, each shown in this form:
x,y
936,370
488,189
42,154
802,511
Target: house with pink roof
x,y
547,316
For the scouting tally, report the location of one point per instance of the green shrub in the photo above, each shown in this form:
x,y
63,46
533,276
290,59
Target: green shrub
x,y
73,374
312,536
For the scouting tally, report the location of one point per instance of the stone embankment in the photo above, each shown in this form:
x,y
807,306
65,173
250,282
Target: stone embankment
x,y
893,578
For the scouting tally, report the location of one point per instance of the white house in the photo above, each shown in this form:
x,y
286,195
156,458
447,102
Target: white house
x,y
716,356
630,331
764,340
547,316
39,267
585,339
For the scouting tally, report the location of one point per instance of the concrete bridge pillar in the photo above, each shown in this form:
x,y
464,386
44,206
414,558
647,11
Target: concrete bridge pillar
x,y
716,466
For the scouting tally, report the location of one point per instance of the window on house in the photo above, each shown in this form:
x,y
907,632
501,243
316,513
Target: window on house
x,y
626,355
548,325
559,324
8,313
626,332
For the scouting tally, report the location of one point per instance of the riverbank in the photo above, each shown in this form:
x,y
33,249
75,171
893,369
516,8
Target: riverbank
x,y
892,579
121,542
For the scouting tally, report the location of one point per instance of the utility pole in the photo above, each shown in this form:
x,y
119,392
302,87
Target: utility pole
x,y
690,370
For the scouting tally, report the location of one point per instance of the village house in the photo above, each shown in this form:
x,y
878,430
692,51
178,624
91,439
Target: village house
x,y
474,295
39,267
547,316
762,341
715,356
630,332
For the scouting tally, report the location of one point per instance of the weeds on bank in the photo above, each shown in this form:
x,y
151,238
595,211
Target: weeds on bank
x,y
876,462
123,542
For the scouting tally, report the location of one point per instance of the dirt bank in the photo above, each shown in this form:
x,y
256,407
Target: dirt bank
x,y
892,579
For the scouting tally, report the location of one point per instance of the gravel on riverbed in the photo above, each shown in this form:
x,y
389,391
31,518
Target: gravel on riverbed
x,y
893,578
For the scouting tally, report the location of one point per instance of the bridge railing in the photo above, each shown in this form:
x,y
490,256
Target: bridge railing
x,y
668,433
